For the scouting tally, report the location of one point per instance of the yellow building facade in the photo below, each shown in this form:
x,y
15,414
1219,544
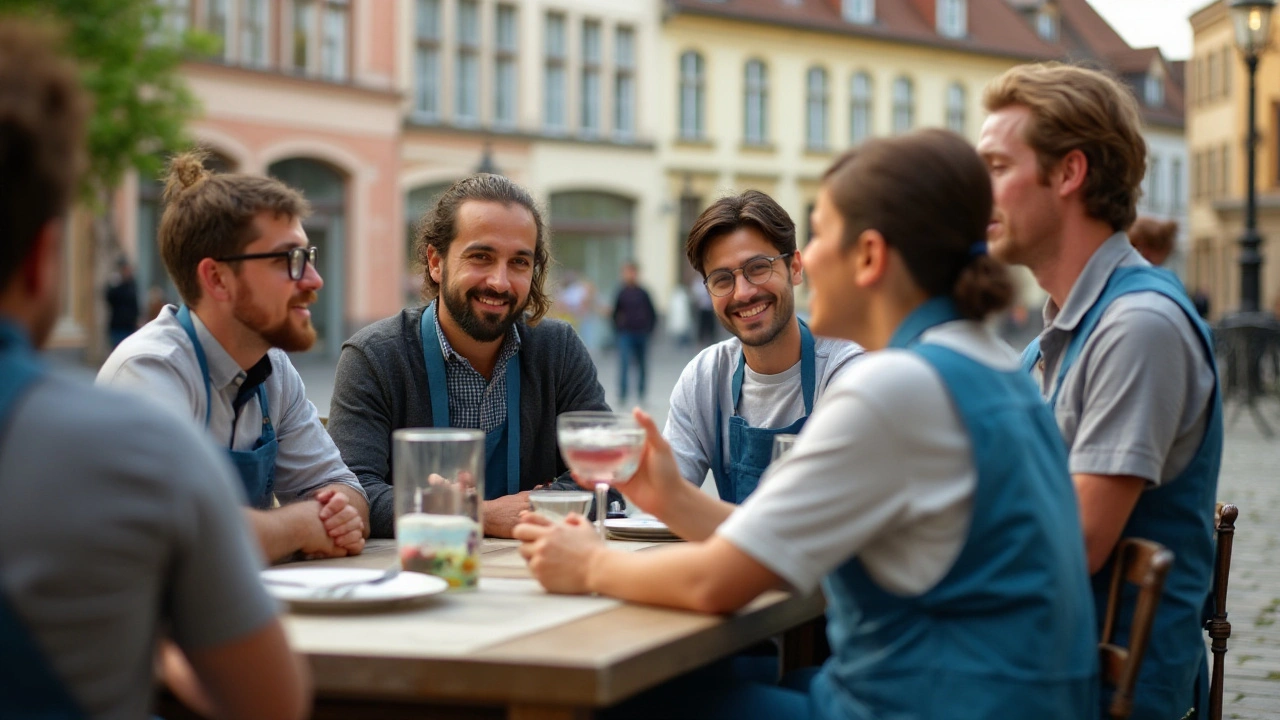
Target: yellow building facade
x,y
753,104
1217,129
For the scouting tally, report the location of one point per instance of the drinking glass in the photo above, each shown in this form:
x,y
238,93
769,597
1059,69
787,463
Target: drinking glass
x,y
555,505
782,445
439,481
601,448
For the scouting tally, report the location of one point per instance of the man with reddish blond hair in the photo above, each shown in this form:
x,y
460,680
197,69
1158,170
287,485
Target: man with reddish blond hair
x,y
1124,361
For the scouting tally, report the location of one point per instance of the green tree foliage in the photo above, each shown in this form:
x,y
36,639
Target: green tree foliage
x,y
130,58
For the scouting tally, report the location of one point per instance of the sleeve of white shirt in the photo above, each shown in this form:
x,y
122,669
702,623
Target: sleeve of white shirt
x,y
848,479
687,431
307,458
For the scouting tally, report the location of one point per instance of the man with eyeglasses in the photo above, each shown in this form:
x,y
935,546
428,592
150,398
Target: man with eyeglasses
x,y
235,248
737,395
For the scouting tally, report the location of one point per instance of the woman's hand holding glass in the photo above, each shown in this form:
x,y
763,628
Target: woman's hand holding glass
x,y
560,554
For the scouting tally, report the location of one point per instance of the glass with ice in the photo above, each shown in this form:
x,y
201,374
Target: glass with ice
x,y
602,449
438,475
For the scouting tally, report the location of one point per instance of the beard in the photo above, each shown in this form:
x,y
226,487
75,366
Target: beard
x,y
783,310
286,334
480,326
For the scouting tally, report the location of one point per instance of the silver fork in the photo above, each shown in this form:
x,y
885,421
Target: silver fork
x,y
347,589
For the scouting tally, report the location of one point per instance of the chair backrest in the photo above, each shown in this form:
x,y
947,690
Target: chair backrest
x,y
1224,522
1143,563
324,421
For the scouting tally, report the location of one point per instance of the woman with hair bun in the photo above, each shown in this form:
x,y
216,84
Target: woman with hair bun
x,y
928,494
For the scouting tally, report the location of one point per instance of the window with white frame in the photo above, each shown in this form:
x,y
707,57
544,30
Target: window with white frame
x,y
691,95
624,83
904,105
590,121
304,21
253,33
177,17
859,108
554,91
956,108
334,40
215,22
1047,25
755,119
816,109
1156,200
426,60
466,87
504,67
1153,90
1175,184
953,20
859,11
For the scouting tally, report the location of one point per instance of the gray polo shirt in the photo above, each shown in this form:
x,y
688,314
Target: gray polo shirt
x,y
1136,402
160,361
120,524
769,401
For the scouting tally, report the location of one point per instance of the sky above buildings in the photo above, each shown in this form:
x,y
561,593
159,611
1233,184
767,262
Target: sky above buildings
x,y
1144,23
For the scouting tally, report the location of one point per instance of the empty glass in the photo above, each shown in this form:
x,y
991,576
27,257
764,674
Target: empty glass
x,y
555,505
601,448
439,481
782,445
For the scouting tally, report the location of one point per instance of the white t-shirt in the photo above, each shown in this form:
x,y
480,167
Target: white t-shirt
x,y
771,401
883,470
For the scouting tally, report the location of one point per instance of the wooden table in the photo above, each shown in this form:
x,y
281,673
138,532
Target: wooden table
x,y
559,672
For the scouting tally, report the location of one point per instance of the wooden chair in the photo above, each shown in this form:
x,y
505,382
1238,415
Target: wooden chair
x,y
1143,563
1224,522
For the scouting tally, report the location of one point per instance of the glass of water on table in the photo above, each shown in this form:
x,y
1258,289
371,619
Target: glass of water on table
x,y
601,449
439,481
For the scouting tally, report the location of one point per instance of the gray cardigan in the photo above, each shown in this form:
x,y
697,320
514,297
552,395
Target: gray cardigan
x,y
381,386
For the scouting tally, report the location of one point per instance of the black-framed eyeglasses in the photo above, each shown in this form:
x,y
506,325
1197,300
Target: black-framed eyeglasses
x,y
298,259
757,271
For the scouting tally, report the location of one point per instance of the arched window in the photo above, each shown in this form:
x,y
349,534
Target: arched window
x,y
859,108
955,108
755,119
691,96
904,105
816,123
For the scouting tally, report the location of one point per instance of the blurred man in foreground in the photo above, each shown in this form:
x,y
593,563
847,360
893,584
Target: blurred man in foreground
x,y
119,524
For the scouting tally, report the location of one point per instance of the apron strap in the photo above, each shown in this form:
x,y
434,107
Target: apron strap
x,y
184,319
931,313
438,384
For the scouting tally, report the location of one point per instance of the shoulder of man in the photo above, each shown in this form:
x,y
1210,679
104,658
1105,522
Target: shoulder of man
x,y
159,341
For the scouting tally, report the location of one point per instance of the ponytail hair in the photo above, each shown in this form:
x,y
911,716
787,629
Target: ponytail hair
x,y
928,193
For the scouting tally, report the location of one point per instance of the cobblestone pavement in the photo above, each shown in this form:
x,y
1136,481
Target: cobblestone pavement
x,y
1250,479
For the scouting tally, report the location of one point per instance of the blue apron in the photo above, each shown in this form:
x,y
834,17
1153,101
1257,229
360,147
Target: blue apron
x,y
1178,514
497,463
751,449
1000,634
29,687
256,467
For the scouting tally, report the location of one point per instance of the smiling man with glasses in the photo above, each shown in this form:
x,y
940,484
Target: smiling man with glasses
x,y
737,395
235,248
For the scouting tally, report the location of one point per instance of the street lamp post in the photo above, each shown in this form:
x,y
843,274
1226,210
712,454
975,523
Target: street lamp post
x,y
1246,338
1252,19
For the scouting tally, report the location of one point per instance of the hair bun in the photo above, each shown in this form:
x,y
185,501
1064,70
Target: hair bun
x,y
186,170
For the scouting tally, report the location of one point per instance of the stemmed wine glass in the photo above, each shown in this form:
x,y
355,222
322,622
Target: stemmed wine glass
x,y
601,448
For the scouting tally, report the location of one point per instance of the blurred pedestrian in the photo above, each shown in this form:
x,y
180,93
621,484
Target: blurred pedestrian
x,y
633,322
705,312
122,303
680,316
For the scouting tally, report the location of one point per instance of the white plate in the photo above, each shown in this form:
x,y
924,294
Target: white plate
x,y
639,529
305,586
